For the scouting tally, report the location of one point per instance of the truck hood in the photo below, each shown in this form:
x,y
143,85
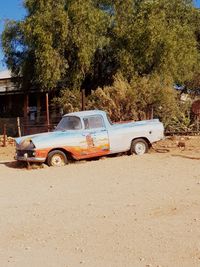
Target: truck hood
x,y
43,139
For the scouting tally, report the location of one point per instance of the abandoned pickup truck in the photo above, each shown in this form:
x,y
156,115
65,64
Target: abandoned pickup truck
x,y
88,134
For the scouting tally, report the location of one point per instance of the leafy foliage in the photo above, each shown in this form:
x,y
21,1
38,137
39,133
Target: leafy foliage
x,y
152,92
156,37
76,42
182,122
69,101
57,42
127,101
118,100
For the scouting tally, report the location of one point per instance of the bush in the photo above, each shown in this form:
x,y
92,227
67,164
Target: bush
x,y
182,122
69,101
117,100
132,101
153,93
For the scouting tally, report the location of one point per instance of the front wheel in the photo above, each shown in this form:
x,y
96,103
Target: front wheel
x,y
56,158
139,146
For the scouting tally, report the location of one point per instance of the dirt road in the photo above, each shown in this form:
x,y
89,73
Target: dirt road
x,y
127,211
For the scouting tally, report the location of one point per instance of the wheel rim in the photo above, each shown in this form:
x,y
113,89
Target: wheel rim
x,y
140,148
57,160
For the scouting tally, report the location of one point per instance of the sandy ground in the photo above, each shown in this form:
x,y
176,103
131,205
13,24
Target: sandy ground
x,y
126,211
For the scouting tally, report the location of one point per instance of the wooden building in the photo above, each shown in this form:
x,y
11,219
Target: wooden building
x,y
32,106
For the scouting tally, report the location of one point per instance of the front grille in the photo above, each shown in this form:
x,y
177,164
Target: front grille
x,y
20,153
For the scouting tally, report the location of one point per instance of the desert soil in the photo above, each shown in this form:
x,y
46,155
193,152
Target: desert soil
x,y
126,211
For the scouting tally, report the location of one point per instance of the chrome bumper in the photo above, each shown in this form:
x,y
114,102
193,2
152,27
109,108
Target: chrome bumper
x,y
30,159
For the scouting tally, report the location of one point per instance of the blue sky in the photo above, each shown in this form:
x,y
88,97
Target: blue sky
x,y
13,9
9,9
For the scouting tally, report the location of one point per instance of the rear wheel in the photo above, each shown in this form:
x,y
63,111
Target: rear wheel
x,y
139,146
57,158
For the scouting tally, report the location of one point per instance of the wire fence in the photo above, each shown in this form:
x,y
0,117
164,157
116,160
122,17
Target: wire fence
x,y
25,126
33,125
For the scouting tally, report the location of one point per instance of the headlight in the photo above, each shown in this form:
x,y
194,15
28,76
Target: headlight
x,y
26,144
31,145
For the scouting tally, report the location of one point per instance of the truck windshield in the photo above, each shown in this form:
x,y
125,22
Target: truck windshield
x,y
69,123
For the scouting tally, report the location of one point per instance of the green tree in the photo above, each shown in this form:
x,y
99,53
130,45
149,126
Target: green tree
x,y
88,27
56,42
34,48
156,37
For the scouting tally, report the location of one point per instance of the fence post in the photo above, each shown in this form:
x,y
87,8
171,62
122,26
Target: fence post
x,y
18,127
26,110
197,123
4,135
83,99
47,111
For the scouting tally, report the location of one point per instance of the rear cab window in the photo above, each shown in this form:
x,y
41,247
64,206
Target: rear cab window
x,y
93,122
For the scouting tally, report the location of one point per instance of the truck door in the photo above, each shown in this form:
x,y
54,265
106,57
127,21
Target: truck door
x,y
96,136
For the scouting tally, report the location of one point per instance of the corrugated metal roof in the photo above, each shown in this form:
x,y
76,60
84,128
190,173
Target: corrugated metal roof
x,y
5,74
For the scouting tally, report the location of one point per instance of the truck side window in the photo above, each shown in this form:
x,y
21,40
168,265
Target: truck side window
x,y
93,122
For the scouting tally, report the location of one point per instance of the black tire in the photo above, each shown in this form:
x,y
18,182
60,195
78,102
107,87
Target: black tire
x,y
139,146
57,158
